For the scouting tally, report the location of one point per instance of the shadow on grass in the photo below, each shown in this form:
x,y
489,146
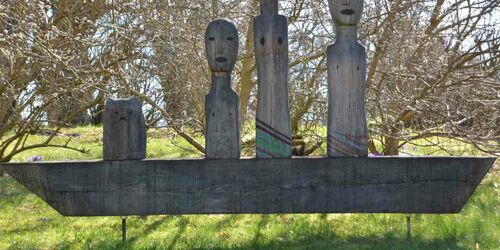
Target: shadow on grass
x,y
182,224
332,242
39,225
151,228
227,221
264,219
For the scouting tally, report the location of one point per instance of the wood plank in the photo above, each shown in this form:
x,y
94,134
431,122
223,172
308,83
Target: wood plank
x,y
222,104
346,64
269,6
298,185
124,130
273,129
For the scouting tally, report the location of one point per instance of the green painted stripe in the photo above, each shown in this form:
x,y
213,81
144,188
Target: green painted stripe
x,y
273,145
269,141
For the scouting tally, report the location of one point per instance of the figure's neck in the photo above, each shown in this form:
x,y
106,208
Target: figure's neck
x,y
268,7
347,33
221,79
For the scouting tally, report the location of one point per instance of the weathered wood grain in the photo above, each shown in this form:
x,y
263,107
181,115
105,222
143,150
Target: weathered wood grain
x,y
222,104
299,185
222,112
271,55
221,45
346,64
346,12
269,7
124,130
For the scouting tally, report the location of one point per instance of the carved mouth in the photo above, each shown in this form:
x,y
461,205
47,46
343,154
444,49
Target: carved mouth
x,y
347,12
123,119
221,59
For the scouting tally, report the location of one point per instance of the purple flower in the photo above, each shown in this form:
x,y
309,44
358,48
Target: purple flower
x,y
36,158
375,154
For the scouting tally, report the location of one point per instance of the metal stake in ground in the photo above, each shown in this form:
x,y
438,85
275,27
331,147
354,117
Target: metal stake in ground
x,y
124,228
271,55
222,104
409,232
346,62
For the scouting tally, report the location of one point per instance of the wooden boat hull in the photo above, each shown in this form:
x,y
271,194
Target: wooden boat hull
x,y
263,186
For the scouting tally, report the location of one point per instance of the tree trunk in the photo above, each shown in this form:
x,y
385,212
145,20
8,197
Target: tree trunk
x,y
391,145
248,65
6,113
215,9
69,105
96,113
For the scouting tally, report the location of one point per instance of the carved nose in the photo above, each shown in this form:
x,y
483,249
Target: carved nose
x,y
221,59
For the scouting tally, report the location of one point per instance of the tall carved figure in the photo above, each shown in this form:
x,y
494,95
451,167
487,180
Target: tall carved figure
x,y
124,130
346,62
271,55
222,104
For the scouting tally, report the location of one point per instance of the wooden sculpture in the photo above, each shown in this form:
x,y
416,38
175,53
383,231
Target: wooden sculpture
x,y
222,104
123,185
124,130
271,55
346,62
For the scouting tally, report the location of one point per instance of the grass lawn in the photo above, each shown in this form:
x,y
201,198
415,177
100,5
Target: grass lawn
x,y
26,222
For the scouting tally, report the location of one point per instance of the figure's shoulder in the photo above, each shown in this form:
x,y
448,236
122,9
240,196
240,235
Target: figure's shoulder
x,y
334,46
360,46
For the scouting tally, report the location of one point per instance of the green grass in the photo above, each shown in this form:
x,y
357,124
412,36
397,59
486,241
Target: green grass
x,y
90,139
26,222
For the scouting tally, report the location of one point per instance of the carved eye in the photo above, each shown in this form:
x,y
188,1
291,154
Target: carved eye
x,y
116,112
230,38
262,41
280,40
211,39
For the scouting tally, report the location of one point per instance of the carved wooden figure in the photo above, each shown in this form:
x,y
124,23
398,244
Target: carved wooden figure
x,y
124,130
271,55
346,62
222,104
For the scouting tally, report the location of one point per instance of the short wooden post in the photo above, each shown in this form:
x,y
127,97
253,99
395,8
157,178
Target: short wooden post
x,y
222,104
124,130
271,55
346,63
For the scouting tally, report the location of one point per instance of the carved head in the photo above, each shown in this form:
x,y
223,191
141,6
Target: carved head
x,y
123,110
346,12
124,130
221,44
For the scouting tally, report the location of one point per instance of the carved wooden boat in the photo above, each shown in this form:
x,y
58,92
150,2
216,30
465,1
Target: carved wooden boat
x,y
298,185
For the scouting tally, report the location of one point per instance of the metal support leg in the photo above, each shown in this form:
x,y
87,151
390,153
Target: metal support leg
x,y
408,227
124,229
